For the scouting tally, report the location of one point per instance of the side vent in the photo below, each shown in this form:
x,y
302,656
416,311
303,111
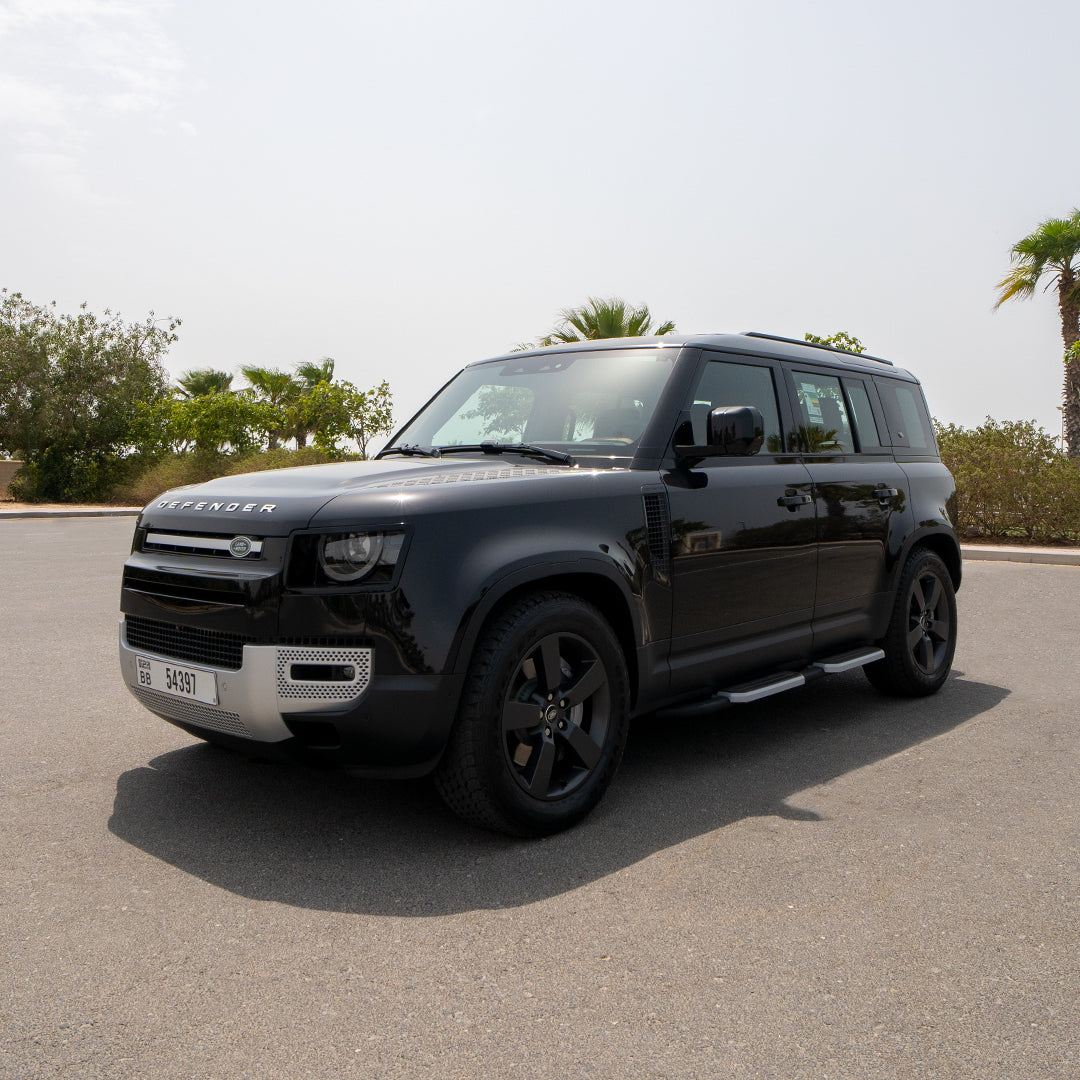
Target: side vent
x,y
658,529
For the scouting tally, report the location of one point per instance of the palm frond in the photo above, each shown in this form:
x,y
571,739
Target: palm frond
x,y
601,318
1054,247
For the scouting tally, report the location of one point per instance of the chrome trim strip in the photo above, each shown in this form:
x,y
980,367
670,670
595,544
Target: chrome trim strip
x,y
208,543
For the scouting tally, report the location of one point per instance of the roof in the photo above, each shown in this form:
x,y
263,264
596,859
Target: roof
x,y
748,343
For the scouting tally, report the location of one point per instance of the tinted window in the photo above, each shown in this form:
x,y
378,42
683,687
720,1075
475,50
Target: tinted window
x,y
724,384
824,425
906,415
866,432
590,402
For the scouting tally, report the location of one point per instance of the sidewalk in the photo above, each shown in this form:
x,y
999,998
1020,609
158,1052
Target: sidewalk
x,y
39,510
1061,556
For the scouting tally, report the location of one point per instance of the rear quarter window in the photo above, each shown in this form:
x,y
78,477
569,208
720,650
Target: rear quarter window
x,y
907,415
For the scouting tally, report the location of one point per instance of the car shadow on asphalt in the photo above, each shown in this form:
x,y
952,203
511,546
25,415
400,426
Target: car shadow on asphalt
x,y
323,841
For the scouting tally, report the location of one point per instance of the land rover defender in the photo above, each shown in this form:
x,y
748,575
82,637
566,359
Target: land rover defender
x,y
559,541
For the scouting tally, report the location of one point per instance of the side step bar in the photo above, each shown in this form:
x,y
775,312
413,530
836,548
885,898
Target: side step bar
x,y
848,661
774,684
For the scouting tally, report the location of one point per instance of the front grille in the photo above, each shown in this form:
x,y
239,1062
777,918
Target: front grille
x,y
210,545
210,647
185,590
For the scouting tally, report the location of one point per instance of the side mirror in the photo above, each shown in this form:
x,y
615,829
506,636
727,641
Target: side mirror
x,y
730,430
736,430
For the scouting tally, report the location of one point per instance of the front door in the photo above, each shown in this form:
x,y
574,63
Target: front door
x,y
744,554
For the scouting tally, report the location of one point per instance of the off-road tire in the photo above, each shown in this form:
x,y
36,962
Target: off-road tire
x,y
543,718
921,638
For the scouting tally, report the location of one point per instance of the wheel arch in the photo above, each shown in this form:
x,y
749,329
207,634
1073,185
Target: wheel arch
x,y
945,546
592,582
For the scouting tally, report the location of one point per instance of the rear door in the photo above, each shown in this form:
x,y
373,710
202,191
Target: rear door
x,y
861,496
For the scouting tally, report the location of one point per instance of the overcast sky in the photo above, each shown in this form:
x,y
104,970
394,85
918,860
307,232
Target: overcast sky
x,y
409,186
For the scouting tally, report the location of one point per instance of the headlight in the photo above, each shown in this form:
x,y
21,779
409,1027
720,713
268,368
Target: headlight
x,y
367,558
349,557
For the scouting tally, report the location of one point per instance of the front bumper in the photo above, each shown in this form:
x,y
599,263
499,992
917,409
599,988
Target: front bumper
x,y
371,726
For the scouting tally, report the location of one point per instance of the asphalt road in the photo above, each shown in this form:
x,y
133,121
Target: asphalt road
x,y
827,884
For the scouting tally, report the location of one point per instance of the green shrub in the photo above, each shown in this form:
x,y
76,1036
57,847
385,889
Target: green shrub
x,y
1012,480
280,458
178,470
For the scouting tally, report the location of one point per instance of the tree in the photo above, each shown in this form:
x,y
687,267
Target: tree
x,y
210,424
600,318
281,392
71,389
338,411
1053,250
309,375
840,340
202,381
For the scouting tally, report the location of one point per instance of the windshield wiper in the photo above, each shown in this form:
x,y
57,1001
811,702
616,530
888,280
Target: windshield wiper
x,y
525,449
412,450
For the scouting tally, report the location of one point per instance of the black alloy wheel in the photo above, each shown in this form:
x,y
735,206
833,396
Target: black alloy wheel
x,y
556,716
543,718
929,623
921,638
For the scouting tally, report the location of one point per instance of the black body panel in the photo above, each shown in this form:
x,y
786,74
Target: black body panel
x,y
710,571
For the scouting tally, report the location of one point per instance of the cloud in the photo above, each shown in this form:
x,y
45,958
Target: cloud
x,y
72,66
62,175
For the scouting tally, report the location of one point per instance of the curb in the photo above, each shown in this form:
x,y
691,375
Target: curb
x,y
124,511
1047,556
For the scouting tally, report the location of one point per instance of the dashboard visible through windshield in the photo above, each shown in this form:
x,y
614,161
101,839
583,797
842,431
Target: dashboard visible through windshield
x,y
589,402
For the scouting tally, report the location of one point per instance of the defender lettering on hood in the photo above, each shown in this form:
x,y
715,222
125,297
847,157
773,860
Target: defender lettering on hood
x,y
214,507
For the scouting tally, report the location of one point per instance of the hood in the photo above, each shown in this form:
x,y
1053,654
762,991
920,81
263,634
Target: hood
x,y
275,502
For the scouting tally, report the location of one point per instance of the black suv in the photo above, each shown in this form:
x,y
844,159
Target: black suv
x,y
559,540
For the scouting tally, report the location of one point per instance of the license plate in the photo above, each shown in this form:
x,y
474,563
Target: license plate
x,y
182,682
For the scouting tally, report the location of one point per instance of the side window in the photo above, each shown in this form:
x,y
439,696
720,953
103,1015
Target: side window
x,y
725,383
824,425
906,415
866,431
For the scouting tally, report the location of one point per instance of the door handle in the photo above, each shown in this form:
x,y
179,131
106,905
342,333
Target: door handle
x,y
883,494
793,501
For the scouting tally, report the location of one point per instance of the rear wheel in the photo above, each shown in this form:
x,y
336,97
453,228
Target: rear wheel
x,y
921,637
543,719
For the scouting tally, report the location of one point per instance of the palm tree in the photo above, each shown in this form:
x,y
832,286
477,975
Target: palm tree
x,y
277,389
311,374
1054,249
308,376
203,381
598,318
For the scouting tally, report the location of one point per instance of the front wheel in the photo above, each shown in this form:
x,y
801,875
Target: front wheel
x,y
543,718
921,638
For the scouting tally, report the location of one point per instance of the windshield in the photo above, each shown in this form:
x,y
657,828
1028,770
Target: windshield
x,y
581,403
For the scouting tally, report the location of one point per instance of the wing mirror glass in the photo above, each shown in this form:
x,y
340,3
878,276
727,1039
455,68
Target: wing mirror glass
x,y
736,430
731,431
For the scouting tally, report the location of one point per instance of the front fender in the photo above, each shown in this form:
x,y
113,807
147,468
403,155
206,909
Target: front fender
x,y
580,573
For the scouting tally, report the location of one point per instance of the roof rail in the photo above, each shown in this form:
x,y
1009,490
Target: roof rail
x,y
816,345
